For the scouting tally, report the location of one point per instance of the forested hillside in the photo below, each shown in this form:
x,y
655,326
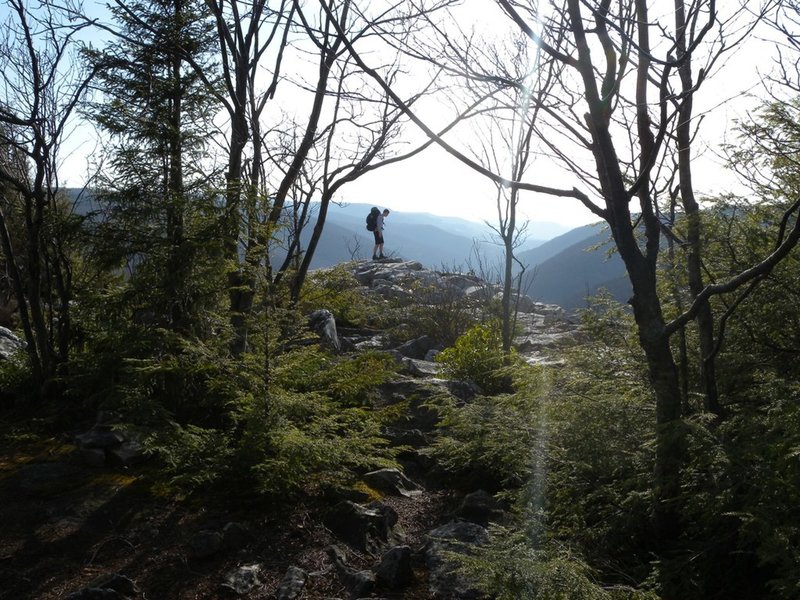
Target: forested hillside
x,y
573,267
189,410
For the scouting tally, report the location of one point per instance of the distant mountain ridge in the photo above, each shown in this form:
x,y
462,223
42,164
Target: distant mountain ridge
x,y
562,266
571,267
430,239
566,268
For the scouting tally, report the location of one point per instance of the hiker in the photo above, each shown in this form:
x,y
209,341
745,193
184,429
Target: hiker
x,y
377,251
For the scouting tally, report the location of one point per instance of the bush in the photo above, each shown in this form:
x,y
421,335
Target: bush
x,y
310,441
741,490
350,380
444,314
493,439
337,290
478,356
510,567
16,379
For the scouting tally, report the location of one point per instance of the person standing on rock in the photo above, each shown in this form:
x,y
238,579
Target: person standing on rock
x,y
377,251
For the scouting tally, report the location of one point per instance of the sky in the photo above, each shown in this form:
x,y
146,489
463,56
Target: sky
x,y
437,183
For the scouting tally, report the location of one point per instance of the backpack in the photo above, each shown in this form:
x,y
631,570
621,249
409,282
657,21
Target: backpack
x,y
372,218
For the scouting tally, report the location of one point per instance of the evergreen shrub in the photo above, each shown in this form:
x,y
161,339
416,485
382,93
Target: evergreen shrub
x,y
514,567
338,290
16,379
478,356
493,439
349,380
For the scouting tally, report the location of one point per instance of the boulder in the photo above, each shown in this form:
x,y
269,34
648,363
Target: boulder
x,y
112,586
430,355
242,580
416,392
390,291
479,291
292,584
235,536
205,544
417,348
391,481
464,390
10,344
359,583
421,368
92,457
462,282
525,304
127,454
323,324
479,507
394,571
365,529
401,436
409,265
88,593
336,494
99,438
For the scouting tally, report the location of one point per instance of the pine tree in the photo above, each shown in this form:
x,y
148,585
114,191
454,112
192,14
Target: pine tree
x,y
157,112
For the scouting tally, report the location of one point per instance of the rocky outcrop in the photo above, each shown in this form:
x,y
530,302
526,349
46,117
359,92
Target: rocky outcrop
x,y
544,327
543,331
10,344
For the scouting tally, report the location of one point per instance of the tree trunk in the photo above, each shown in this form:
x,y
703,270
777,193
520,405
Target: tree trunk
x,y
705,317
508,247
300,276
175,197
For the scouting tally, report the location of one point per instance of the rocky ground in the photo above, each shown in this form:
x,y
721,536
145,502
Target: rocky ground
x,y
80,521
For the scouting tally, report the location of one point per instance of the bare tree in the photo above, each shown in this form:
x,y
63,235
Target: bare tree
x,y
250,35
41,87
507,145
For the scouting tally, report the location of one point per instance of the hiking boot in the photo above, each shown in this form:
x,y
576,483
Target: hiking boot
x,y
374,257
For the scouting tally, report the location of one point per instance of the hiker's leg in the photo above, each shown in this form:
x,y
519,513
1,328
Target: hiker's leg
x,y
378,243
